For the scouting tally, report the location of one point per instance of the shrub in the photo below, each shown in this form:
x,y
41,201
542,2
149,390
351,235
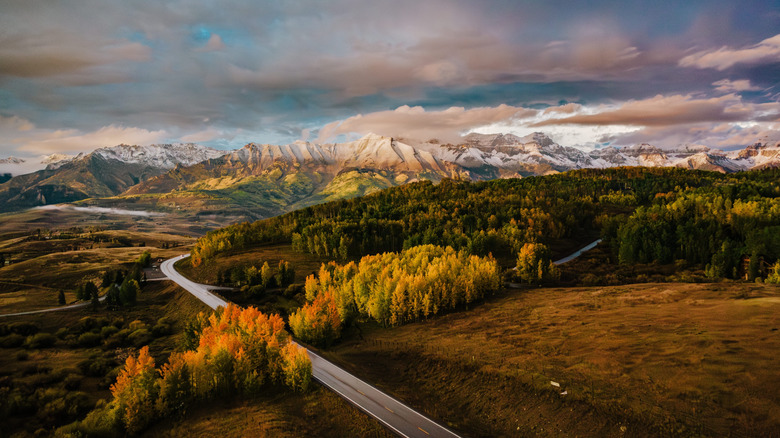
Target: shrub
x,y
35,369
41,340
21,356
61,333
96,366
590,280
256,291
103,421
117,339
13,340
137,324
90,340
24,328
72,382
46,378
160,330
85,324
293,290
108,330
140,337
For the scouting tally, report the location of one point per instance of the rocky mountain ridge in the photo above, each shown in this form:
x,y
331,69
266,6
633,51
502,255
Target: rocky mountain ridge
x,y
264,179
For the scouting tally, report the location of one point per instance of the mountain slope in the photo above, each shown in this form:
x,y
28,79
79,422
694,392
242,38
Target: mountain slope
x,y
505,154
104,172
265,180
262,180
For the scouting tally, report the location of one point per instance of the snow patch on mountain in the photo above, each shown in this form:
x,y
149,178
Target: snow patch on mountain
x,y
12,160
164,156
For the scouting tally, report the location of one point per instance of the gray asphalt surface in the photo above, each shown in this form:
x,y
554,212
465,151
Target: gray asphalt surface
x,y
578,253
398,417
55,309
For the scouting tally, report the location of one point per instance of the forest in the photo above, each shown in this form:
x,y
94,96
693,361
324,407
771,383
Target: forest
x,y
727,223
392,288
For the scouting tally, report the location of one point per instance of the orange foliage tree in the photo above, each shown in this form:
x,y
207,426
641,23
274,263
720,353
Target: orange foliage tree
x,y
317,322
238,351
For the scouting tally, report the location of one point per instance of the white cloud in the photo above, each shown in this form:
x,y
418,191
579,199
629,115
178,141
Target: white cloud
x,y
767,51
70,141
201,136
418,124
728,86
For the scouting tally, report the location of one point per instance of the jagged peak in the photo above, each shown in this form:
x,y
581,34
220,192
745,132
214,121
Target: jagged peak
x,y
12,160
371,137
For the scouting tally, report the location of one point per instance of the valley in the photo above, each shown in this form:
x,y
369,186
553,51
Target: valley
x,y
389,218
672,331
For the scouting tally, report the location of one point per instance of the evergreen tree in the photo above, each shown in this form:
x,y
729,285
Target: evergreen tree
x,y
108,279
95,301
128,293
90,290
61,297
113,298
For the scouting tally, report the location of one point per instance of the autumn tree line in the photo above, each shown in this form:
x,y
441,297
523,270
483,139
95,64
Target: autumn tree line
x,y
636,210
237,351
392,289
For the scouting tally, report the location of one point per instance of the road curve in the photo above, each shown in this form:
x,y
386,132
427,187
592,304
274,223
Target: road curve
x,y
577,253
201,291
395,415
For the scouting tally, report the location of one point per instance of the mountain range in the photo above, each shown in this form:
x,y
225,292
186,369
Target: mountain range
x,y
264,180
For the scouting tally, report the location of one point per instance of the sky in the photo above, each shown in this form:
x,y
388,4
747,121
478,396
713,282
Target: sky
x,y
80,74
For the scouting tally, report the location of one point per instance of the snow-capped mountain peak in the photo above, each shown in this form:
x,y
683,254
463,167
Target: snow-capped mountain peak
x,y
165,156
12,160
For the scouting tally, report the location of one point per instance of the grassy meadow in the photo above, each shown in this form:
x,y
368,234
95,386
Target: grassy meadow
x,y
638,360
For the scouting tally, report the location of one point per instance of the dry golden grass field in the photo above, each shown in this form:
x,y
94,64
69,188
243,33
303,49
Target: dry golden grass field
x,y
638,360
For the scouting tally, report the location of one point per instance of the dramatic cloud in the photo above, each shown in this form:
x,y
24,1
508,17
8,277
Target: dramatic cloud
x,y
727,86
724,136
266,71
672,110
418,124
24,137
767,51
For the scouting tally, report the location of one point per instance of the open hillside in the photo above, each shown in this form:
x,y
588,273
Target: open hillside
x,y
263,180
102,173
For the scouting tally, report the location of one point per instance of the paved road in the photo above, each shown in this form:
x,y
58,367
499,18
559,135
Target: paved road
x,y
395,415
201,291
55,309
577,253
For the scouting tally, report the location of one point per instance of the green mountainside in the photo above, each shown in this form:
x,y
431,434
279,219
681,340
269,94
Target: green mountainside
x,y
93,176
645,215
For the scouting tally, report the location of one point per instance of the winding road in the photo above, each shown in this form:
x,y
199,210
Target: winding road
x,y
398,417
577,253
